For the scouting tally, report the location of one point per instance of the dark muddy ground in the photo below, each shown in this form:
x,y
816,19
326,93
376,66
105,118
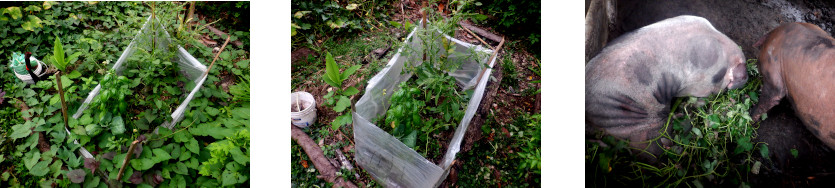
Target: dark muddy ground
x,y
745,21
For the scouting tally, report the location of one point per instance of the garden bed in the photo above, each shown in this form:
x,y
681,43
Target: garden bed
x,y
386,158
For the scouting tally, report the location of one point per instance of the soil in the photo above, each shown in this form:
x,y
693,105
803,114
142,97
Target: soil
x,y
745,22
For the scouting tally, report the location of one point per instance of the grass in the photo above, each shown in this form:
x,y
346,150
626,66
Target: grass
x,y
712,139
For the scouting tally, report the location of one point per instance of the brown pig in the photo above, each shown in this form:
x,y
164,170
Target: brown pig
x,y
630,85
798,60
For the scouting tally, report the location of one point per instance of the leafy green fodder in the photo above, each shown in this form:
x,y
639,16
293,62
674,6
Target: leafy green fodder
x,y
712,144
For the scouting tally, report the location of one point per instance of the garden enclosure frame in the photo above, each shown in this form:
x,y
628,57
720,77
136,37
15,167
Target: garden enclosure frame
x,y
189,66
386,158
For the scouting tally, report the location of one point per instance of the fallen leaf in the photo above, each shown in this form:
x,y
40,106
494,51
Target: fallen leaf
x,y
304,163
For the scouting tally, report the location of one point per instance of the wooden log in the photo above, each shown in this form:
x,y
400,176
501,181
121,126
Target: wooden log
x,y
322,164
482,32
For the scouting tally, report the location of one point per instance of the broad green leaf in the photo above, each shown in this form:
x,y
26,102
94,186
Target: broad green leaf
x,y
48,4
58,54
161,155
14,12
350,71
94,182
239,156
242,113
764,151
243,64
92,129
332,70
21,130
185,154
225,55
230,177
343,103
73,58
341,120
299,14
32,23
33,157
410,139
180,168
292,31
697,132
212,111
150,116
40,169
329,81
193,146
350,91
182,136
117,126
142,164
213,131
65,82
395,23
85,119
32,8
178,182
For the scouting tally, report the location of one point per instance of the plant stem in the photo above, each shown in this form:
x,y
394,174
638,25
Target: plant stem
x,y
63,102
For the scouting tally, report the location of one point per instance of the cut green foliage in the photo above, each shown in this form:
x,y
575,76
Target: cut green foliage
x,y
715,132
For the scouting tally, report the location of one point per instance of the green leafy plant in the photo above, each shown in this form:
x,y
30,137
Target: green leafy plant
x,y
531,154
339,97
715,133
58,56
41,153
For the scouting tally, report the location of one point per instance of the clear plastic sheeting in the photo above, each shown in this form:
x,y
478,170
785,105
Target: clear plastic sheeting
x,y
152,32
388,160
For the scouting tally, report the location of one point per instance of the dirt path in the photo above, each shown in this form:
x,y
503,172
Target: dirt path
x,y
745,21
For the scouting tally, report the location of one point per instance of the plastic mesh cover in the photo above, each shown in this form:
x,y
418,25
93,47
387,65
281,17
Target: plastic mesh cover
x,y
387,159
189,66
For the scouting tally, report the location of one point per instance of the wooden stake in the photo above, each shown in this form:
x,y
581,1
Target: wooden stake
x,y
480,31
63,103
127,159
217,55
495,52
479,38
190,16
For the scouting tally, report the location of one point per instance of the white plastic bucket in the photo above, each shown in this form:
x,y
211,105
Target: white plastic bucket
x,y
306,116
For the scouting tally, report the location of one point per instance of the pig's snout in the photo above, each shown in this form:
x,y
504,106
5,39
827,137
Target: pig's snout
x,y
738,76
